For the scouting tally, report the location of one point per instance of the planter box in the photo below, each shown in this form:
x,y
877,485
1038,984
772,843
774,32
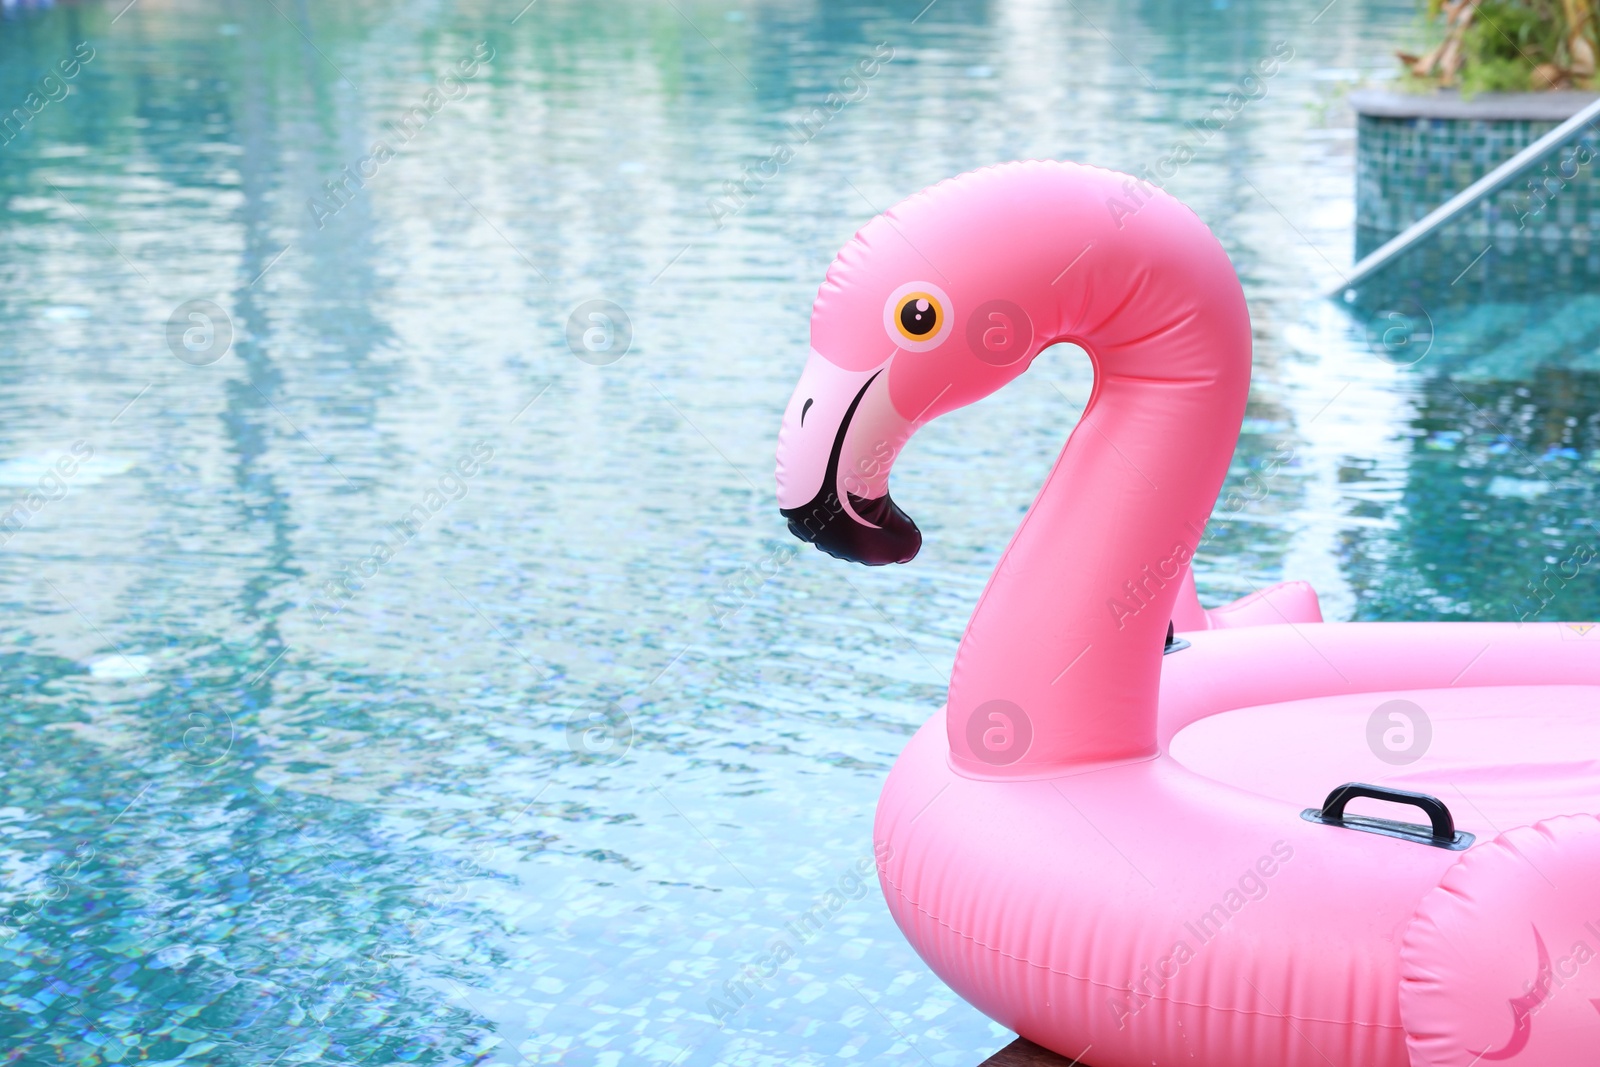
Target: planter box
x,y
1416,150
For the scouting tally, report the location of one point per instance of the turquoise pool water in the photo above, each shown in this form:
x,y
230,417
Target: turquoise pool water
x,y
399,665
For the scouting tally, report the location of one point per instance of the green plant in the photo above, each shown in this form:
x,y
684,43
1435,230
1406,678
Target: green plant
x,y
1510,45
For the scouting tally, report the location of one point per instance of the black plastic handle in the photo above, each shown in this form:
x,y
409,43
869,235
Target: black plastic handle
x,y
1174,642
1441,834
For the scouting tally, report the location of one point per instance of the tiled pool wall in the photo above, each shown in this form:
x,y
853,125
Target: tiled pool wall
x,y
1406,167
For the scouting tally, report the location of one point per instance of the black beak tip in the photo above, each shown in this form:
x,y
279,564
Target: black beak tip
x,y
895,539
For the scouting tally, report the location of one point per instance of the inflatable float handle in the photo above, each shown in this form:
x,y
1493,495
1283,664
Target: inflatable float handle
x,y
1444,833
1174,642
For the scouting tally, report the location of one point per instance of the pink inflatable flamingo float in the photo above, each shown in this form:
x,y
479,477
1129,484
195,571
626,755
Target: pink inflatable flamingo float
x,y
1137,858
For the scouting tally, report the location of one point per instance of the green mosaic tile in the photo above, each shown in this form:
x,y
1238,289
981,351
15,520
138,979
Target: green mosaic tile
x,y
1406,167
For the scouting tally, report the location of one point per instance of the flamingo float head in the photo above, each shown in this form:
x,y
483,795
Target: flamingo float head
x,y
945,298
896,341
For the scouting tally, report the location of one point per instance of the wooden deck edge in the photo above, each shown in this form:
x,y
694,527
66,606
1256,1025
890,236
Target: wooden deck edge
x,y
1024,1053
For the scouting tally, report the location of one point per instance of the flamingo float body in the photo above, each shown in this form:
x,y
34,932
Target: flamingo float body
x,y
1125,855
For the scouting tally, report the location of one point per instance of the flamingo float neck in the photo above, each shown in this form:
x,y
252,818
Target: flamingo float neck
x,y
941,301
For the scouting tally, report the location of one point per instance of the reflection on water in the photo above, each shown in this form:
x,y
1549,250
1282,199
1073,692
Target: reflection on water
x,y
1498,332
386,683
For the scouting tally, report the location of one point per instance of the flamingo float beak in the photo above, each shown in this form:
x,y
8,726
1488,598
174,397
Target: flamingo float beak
x,y
839,438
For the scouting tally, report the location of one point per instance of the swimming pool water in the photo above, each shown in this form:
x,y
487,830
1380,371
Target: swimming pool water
x,y
400,665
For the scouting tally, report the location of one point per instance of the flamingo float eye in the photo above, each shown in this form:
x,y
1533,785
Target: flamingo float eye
x,y
917,316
